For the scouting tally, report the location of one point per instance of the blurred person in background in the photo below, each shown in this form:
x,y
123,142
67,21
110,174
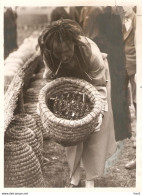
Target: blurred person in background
x,y
104,26
129,28
60,12
65,13
10,30
88,18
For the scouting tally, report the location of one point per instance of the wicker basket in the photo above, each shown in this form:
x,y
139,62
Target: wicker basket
x,y
31,108
24,135
21,166
38,83
31,95
63,131
45,132
26,120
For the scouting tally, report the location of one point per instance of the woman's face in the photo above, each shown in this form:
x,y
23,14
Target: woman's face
x,y
63,51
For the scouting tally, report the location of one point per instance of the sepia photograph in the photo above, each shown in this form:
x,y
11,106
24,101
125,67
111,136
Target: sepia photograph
x,y
70,100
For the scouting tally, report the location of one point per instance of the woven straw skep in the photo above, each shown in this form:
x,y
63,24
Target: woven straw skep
x,y
16,84
21,166
26,120
63,131
31,95
46,134
5,88
13,60
19,55
38,83
24,135
31,108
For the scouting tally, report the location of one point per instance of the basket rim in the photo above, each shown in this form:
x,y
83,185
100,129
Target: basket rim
x,y
65,122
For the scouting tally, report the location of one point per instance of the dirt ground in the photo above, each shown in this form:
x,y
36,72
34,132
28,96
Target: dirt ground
x,y
56,171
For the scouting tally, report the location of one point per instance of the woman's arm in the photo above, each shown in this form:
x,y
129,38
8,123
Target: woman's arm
x,y
98,72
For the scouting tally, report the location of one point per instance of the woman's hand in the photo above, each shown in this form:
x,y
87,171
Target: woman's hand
x,y
100,120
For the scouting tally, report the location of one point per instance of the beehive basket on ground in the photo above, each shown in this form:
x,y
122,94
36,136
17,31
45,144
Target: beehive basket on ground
x,y
31,108
21,166
38,83
24,134
64,131
31,95
26,120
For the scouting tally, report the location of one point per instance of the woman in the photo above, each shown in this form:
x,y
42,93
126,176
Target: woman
x,y
66,53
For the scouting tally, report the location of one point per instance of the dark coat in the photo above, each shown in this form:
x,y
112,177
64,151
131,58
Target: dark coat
x,y
110,41
129,45
59,13
10,31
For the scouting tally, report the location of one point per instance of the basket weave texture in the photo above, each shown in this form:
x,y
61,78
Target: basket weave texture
x,y
21,78
31,108
26,120
38,83
24,135
21,167
31,95
63,131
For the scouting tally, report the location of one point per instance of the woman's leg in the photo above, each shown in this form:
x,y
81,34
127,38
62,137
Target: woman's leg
x,y
75,179
74,154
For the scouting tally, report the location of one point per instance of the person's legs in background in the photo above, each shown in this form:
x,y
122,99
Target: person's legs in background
x,y
132,163
133,92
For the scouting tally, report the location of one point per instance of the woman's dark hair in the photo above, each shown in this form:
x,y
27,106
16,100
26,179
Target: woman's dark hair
x,y
60,30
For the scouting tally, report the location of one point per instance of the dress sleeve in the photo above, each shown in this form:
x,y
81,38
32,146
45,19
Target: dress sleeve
x,y
98,72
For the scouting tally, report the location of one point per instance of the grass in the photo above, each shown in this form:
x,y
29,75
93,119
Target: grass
x,y
56,171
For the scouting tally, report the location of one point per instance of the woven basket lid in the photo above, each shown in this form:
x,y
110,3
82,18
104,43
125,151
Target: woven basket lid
x,y
26,135
21,166
26,120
